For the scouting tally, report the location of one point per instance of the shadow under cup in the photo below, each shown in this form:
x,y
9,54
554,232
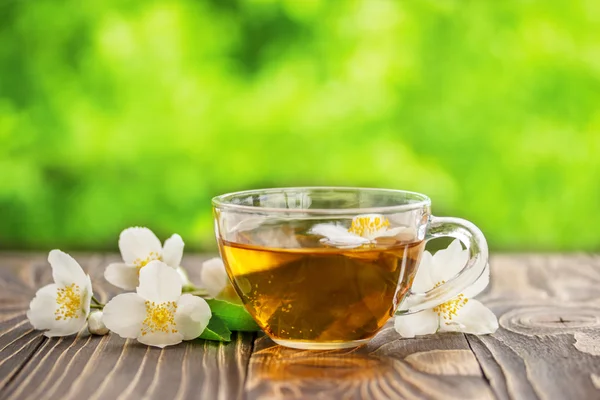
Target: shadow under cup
x,y
321,268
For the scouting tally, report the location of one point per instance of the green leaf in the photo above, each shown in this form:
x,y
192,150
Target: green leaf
x,y
235,316
216,330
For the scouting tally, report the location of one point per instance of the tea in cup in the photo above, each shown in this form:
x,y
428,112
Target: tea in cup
x,y
326,267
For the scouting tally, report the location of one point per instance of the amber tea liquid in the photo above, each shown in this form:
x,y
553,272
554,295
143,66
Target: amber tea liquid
x,y
322,294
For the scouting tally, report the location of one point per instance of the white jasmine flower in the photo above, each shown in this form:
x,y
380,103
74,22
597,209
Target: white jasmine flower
x,y
96,325
365,229
140,246
461,314
157,314
62,307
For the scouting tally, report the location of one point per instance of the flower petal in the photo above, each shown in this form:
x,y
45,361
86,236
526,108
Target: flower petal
x,y
173,251
42,307
67,327
159,282
185,280
479,285
160,339
473,318
65,270
137,243
192,316
406,232
42,316
86,296
213,276
124,315
423,281
122,275
337,235
449,262
421,323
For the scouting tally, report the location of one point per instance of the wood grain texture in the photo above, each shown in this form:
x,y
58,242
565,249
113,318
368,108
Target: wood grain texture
x,y
549,314
19,280
433,367
84,366
547,347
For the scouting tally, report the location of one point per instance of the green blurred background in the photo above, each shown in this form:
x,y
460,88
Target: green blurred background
x,y
120,113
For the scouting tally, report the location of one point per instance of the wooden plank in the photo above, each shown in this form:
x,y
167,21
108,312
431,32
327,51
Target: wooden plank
x,y
108,367
433,367
548,346
19,280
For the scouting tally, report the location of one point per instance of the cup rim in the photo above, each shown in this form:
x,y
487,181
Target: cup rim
x,y
223,201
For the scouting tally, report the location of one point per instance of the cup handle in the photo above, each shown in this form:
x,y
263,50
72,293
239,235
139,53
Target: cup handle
x,y
476,245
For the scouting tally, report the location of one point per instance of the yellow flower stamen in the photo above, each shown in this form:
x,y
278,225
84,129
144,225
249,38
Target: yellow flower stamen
x,y
159,317
365,226
449,309
68,300
141,263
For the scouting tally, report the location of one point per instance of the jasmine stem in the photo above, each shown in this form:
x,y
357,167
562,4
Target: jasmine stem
x,y
95,300
195,291
189,288
97,306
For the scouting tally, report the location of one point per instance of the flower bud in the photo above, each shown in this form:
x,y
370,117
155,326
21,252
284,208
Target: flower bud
x,y
96,325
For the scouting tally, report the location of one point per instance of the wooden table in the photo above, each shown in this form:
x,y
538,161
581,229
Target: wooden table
x,y
548,347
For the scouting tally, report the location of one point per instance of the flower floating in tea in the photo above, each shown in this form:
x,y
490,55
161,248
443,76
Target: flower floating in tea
x,y
461,314
62,307
364,229
157,314
139,247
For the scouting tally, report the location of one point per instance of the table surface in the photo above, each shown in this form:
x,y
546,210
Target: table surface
x,y
547,347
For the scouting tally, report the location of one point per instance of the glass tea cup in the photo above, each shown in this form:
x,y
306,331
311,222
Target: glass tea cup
x,y
326,267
